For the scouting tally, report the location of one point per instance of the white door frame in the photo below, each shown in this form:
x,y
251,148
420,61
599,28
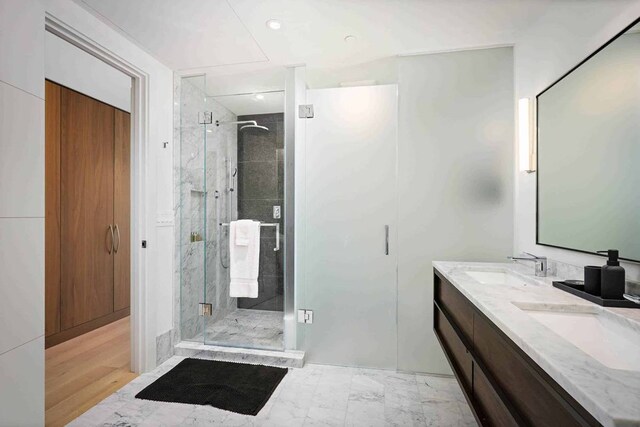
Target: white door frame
x,y
143,345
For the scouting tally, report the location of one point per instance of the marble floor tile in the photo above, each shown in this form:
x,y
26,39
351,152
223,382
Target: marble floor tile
x,y
401,417
315,395
205,416
367,388
438,389
168,415
442,414
98,415
362,413
132,413
406,401
325,417
288,413
297,394
331,396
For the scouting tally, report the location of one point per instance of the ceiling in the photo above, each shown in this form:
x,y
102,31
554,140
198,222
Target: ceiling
x,y
182,34
230,36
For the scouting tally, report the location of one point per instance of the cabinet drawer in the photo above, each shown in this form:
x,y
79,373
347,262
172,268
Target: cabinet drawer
x,y
458,355
491,410
530,394
455,305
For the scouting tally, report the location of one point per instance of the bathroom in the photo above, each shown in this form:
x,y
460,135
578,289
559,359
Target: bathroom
x,y
331,221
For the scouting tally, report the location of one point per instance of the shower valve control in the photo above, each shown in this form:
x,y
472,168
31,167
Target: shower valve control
x,y
276,212
305,316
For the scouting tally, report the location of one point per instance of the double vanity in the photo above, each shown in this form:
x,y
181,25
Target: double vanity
x,y
526,353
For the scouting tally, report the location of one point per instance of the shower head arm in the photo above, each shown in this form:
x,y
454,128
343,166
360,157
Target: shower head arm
x,y
237,122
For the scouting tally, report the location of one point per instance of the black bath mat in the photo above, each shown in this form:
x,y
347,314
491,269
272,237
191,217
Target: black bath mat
x,y
235,387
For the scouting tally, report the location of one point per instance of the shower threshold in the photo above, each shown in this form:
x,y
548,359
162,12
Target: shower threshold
x,y
244,335
280,358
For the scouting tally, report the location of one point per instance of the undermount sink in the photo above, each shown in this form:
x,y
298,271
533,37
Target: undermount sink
x,y
609,340
496,278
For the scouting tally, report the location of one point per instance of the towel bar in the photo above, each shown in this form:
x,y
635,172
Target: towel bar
x,y
265,224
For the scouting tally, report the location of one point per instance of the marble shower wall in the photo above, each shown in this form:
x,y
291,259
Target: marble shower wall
x,y
202,166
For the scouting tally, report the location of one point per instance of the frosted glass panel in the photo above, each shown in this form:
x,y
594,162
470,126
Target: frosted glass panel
x,y
350,197
455,191
589,152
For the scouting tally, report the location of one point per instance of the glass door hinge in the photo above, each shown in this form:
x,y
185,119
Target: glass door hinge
x,y
205,309
305,111
305,316
205,118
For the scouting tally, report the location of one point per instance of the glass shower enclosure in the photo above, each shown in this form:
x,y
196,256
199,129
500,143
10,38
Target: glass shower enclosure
x,y
231,167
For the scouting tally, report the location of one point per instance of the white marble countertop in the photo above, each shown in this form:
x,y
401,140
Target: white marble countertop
x,y
612,396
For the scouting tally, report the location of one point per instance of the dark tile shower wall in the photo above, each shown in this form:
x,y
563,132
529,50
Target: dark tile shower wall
x,y
260,188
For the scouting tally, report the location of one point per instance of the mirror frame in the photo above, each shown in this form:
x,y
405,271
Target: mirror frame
x,y
614,38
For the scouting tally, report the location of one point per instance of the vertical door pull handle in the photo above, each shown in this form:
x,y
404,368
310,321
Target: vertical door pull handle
x,y
386,240
110,247
117,246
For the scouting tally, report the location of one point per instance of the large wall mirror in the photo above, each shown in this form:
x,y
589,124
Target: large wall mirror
x,y
588,136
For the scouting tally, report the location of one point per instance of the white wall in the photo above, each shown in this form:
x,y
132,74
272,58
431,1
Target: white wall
x,y
455,180
72,67
556,42
22,74
21,213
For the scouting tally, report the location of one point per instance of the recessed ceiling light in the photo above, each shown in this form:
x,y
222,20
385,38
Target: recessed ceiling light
x,y
350,39
259,96
274,24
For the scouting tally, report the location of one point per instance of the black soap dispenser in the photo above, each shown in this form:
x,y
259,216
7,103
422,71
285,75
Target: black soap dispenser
x,y
612,277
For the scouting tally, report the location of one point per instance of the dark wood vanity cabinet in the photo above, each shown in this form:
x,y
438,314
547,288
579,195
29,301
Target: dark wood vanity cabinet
x,y
503,386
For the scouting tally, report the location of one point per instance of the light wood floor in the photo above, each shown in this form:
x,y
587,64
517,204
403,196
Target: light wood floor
x,y
81,372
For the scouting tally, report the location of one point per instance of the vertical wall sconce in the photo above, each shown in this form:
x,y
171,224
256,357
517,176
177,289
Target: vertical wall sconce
x,y
526,143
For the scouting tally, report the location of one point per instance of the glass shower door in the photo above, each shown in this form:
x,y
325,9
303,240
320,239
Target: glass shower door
x,y
231,166
244,177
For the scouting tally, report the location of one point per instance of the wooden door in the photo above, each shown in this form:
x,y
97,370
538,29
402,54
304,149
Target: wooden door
x,y
87,189
122,202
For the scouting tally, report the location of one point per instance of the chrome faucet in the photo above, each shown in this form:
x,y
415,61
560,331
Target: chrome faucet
x,y
540,263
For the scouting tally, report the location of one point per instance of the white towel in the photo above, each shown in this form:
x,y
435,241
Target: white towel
x,y
244,254
244,229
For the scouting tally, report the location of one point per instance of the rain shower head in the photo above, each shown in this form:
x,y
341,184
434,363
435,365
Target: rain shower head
x,y
249,124
256,126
